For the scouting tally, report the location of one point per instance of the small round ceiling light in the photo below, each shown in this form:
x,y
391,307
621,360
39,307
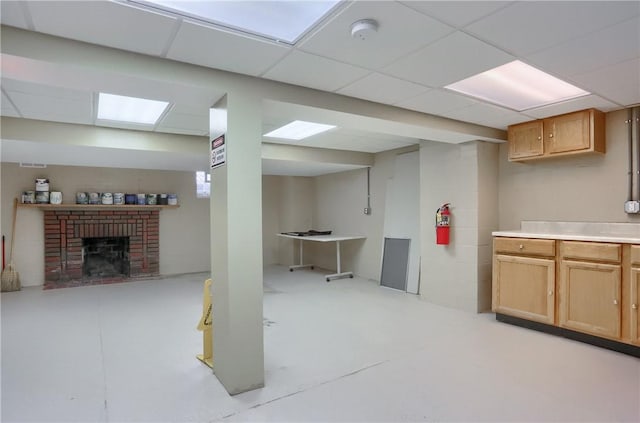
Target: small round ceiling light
x,y
364,29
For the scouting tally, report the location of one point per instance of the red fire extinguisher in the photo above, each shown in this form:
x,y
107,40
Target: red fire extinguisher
x,y
443,222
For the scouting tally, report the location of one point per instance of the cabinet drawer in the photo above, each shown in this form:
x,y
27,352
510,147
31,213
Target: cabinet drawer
x,y
525,246
635,255
595,251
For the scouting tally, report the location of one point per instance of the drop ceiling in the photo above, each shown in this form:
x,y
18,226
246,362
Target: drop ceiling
x,y
420,47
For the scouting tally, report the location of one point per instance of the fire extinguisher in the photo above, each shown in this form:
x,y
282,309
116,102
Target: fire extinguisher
x,y
443,223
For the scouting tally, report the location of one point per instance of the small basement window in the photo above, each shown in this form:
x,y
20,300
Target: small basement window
x,y
203,184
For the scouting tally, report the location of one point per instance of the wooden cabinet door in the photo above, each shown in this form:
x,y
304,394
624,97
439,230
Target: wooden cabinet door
x,y
589,298
635,305
570,132
525,140
524,287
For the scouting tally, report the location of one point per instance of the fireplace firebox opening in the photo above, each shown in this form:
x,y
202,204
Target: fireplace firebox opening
x,y
105,257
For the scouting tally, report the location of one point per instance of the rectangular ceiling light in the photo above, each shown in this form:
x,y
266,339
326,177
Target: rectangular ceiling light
x,y
298,129
517,86
130,109
285,21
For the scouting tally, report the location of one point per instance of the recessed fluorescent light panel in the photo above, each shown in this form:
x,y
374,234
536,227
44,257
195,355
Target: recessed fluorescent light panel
x,y
285,21
130,109
298,129
517,86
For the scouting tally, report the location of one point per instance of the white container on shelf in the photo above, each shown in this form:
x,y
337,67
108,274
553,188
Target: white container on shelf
x,y
107,198
42,184
55,197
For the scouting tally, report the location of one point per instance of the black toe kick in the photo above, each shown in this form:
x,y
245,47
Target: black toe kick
x,y
570,334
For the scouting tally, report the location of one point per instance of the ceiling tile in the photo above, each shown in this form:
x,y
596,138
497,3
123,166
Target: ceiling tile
x,y
377,146
401,30
54,108
11,14
307,70
296,168
382,89
363,142
587,102
487,115
219,49
457,13
104,23
191,109
619,83
12,85
436,101
450,59
335,140
44,102
173,119
612,45
385,137
7,107
526,27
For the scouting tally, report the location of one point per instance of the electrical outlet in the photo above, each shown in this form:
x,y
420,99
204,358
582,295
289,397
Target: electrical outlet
x,y
367,210
632,206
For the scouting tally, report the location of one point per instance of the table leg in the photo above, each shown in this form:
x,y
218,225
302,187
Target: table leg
x,y
301,265
339,274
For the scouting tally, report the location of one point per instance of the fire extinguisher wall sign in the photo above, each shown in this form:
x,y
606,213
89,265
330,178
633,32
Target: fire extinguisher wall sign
x,y
443,224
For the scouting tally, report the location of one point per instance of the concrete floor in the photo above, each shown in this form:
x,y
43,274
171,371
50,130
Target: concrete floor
x,y
348,350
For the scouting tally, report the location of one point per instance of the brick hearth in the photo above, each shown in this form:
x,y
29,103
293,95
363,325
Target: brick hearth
x,y
64,230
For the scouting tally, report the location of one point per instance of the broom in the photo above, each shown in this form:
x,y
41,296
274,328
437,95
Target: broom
x,y
10,277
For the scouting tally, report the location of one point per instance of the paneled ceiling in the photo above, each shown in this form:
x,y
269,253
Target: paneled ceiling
x,y
420,47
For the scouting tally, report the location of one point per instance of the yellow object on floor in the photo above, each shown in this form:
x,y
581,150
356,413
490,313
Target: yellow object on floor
x,y
206,326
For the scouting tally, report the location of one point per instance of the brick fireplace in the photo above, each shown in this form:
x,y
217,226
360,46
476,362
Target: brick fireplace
x,y
66,231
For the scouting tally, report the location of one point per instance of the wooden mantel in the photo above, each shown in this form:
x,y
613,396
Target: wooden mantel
x,y
96,206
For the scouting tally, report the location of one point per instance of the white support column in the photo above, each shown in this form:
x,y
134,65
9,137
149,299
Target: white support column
x,y
236,244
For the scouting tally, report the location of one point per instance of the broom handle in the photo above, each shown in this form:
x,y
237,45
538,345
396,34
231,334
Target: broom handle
x,y
13,228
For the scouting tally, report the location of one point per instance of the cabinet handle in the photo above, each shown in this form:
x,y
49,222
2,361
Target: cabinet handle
x,y
550,135
521,246
550,293
634,306
615,302
539,138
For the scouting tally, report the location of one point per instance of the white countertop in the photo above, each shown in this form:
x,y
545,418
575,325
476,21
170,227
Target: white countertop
x,y
625,233
569,237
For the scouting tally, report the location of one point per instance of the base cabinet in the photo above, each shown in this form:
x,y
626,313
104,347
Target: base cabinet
x,y
635,306
582,290
524,287
589,298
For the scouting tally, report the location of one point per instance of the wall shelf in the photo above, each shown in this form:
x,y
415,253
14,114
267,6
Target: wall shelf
x,y
96,206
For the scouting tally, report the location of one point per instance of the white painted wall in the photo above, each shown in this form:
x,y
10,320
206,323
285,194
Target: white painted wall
x,y
488,155
271,193
457,174
584,189
295,210
402,211
339,206
184,232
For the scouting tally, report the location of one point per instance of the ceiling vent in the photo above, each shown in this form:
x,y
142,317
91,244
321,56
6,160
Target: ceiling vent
x,y
34,165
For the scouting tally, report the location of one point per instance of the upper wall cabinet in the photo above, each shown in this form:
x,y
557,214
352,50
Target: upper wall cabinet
x,y
569,134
